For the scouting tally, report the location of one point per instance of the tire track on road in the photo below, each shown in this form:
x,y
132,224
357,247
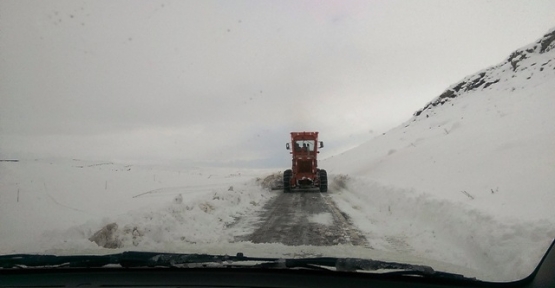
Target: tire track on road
x,y
352,233
289,219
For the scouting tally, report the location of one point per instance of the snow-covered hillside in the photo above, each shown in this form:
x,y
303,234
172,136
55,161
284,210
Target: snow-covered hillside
x,y
470,177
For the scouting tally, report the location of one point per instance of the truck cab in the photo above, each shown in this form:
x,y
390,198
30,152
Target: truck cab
x,y
304,172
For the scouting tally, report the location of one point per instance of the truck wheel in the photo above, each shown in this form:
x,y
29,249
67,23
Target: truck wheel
x,y
323,175
287,180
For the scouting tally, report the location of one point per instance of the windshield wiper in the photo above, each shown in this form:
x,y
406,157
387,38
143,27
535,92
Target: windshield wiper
x,y
357,264
30,260
178,260
125,259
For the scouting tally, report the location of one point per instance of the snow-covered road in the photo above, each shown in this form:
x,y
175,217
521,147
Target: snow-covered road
x,y
305,218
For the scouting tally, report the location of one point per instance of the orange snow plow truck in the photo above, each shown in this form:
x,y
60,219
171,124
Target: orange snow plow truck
x,y
304,173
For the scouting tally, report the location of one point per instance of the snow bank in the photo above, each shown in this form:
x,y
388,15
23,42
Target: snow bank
x,y
418,224
205,218
47,202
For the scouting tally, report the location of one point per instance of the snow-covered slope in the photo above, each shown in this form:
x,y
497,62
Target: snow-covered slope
x,y
470,177
533,61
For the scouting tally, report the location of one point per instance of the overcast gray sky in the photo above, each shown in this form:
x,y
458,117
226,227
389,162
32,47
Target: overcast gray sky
x,y
204,81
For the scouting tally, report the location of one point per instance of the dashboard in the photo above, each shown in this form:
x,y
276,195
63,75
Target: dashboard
x,y
543,276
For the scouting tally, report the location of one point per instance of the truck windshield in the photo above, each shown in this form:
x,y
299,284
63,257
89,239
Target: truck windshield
x,y
304,145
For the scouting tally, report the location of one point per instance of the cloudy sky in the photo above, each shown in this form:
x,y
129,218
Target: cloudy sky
x,y
226,81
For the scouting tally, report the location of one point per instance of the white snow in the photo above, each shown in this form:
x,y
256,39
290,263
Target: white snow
x,y
321,218
51,202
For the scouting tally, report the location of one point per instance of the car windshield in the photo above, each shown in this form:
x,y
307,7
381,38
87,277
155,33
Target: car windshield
x,y
160,126
304,145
